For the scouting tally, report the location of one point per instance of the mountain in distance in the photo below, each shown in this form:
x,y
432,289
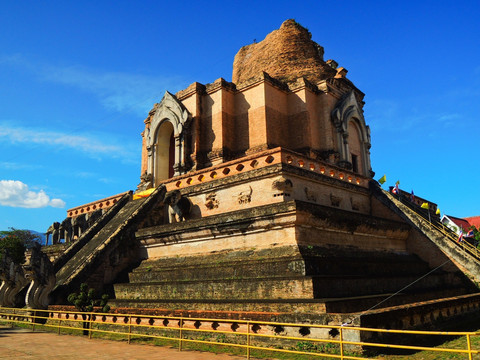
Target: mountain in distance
x,y
42,238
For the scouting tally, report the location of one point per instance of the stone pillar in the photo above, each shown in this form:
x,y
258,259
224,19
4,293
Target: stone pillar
x,y
177,166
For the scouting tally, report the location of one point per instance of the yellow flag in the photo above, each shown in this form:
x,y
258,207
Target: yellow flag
x,y
397,183
438,211
424,205
143,194
383,179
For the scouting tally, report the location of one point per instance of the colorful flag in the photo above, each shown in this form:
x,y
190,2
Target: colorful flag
x,y
397,190
383,179
412,196
470,233
460,237
424,205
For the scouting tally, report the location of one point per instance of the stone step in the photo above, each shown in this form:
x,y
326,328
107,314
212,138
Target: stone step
x,y
331,305
328,287
366,266
218,267
275,288
284,287
153,272
79,260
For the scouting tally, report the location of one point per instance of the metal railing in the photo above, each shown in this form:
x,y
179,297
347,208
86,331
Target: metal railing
x,y
449,234
324,341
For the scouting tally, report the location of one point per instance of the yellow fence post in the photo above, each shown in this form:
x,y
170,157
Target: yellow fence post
x,y
341,343
248,339
22,316
90,325
129,328
181,334
33,319
469,346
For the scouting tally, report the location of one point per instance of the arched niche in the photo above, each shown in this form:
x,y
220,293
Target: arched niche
x,y
355,146
165,139
164,152
353,135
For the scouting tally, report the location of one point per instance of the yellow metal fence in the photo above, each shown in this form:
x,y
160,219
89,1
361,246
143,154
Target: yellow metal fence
x,y
322,341
449,234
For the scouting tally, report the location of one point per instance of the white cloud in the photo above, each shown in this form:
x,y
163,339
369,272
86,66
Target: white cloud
x,y
118,91
15,193
19,166
57,203
86,143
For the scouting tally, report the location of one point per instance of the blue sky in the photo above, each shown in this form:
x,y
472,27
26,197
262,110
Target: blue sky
x,y
78,79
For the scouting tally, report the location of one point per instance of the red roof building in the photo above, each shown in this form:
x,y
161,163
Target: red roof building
x,y
456,224
474,220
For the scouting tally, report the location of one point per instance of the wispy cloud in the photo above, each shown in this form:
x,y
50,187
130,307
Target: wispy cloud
x,y
449,120
15,193
398,116
117,91
19,166
85,143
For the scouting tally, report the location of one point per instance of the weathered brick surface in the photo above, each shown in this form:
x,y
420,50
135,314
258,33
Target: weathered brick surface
x,y
287,54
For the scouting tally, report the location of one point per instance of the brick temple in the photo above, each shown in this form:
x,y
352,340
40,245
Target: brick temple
x,y
257,198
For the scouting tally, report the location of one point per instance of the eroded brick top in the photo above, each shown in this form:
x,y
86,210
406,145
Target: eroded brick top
x,y
285,54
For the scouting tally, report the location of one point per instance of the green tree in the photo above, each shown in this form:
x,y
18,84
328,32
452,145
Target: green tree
x,y
86,300
15,242
476,234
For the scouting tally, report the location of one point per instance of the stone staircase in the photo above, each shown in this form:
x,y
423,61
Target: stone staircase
x,y
467,260
106,249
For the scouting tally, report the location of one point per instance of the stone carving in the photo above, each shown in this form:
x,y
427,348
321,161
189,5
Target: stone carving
x,y
245,197
72,227
12,282
310,195
40,273
211,201
53,230
179,206
335,200
66,229
79,225
93,217
146,182
283,185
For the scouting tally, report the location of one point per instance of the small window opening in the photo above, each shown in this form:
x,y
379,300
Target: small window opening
x,y
354,163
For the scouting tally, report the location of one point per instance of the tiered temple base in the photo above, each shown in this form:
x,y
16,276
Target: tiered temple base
x,y
306,272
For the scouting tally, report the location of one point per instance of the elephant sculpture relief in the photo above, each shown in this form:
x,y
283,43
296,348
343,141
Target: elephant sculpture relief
x,y
79,225
12,282
40,274
53,230
66,230
93,217
178,206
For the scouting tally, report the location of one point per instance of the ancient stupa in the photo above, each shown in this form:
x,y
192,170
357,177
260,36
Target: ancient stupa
x,y
257,197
